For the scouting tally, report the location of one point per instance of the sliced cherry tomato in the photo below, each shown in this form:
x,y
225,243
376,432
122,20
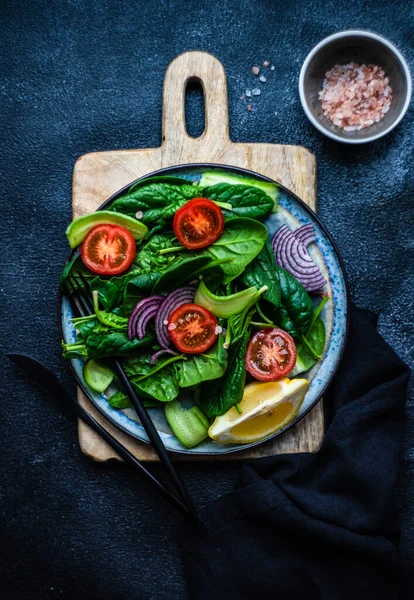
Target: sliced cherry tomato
x,y
271,354
192,328
198,223
108,249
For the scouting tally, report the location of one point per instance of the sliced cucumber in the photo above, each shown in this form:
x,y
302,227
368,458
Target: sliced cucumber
x,y
189,426
224,306
77,230
97,375
209,178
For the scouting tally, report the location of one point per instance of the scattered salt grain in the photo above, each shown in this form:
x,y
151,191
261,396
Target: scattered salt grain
x,y
139,214
218,329
262,78
355,96
266,63
165,322
272,68
248,93
255,70
256,92
242,97
172,326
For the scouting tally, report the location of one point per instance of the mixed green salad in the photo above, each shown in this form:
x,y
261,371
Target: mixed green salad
x,y
190,293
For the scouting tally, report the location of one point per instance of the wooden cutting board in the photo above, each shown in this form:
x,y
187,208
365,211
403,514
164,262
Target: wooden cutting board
x,y
98,175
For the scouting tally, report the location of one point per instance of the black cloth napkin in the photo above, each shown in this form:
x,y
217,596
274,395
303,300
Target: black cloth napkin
x,y
316,526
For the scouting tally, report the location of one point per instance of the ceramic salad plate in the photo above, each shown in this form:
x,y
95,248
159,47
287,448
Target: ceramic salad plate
x,y
293,213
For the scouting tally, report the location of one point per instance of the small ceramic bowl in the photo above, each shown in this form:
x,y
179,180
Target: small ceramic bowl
x,y
361,47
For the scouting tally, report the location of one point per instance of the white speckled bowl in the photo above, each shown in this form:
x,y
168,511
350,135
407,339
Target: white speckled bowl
x,y
294,213
361,47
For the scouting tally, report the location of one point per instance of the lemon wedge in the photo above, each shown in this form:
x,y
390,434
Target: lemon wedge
x,y
265,409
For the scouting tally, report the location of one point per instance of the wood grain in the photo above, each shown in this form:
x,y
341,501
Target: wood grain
x,y
98,175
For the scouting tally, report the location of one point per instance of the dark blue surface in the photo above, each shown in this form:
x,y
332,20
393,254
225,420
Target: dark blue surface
x,y
87,76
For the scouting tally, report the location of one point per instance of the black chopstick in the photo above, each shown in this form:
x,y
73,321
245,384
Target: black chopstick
x,y
82,305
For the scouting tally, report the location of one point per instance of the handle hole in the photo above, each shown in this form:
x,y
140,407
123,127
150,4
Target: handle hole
x,y
195,120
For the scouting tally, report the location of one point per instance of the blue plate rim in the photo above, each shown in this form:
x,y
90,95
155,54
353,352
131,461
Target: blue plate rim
x,y
243,171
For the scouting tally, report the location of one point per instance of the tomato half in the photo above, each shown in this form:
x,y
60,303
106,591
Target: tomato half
x,y
271,354
192,328
108,249
198,223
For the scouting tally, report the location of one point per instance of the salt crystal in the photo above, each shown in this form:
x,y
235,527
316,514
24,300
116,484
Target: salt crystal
x,y
248,93
139,214
262,78
272,68
256,92
242,97
255,70
266,63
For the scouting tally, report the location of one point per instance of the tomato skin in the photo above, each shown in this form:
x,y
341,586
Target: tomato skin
x,y
192,328
198,223
271,354
108,249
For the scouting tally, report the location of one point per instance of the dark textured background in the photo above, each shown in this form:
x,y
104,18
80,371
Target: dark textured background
x,y
81,76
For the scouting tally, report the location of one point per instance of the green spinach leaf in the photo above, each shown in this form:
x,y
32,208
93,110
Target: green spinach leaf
x,y
316,337
262,271
217,397
241,241
156,201
181,272
295,312
246,200
204,367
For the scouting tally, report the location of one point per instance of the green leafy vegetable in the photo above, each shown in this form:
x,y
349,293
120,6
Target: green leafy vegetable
x,y
241,241
156,201
217,398
120,400
203,367
262,271
295,312
247,201
181,272
107,318
210,178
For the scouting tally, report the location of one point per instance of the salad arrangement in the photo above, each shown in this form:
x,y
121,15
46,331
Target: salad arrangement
x,y
189,292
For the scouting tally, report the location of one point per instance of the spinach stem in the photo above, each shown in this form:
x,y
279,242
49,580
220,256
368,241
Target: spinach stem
x,y
237,407
83,319
228,337
169,250
261,313
258,324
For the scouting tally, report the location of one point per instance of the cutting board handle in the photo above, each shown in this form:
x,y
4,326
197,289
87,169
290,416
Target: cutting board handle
x,y
209,71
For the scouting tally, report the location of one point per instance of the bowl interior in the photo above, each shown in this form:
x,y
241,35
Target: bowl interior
x,y
361,50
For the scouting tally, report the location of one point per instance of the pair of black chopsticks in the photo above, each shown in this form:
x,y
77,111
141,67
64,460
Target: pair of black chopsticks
x,y
82,306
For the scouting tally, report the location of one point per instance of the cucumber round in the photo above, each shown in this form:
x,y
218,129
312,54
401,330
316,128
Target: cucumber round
x,y
77,230
190,426
97,375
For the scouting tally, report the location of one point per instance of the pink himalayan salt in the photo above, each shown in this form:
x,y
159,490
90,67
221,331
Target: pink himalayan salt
x,y
355,96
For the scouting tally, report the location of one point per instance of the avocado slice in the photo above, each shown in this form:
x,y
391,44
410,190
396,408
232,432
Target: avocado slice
x,y
78,229
209,178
